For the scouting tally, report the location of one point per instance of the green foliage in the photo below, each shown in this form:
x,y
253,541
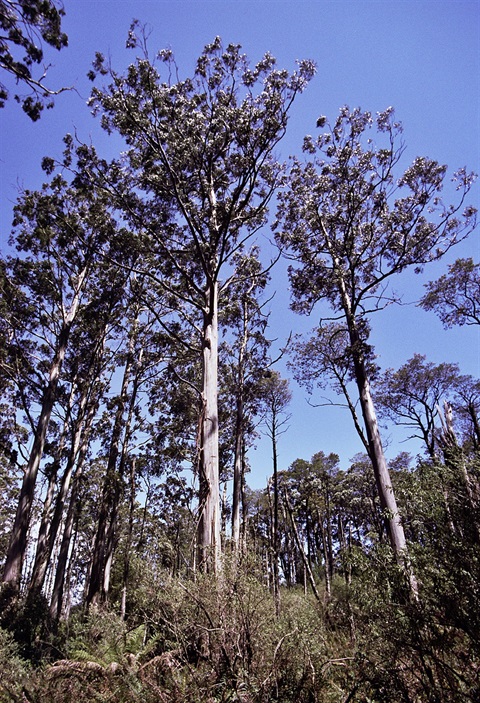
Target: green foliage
x,y
217,639
412,395
14,671
410,651
339,214
25,25
425,650
455,296
27,621
99,636
228,645
209,640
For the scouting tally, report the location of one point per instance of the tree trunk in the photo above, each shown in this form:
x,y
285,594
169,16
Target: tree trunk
x,y
455,461
306,565
274,550
112,528
237,474
380,468
471,409
386,495
391,515
66,602
56,600
59,582
110,490
239,431
347,571
308,536
276,575
244,520
129,539
18,541
43,552
326,558
269,550
208,533
328,516
82,424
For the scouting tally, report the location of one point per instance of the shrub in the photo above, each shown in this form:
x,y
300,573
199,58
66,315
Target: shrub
x,y
14,671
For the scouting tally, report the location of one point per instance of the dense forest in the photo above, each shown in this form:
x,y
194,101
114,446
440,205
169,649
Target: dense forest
x,y
137,365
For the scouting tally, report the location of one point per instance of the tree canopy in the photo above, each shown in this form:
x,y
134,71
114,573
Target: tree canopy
x,y
25,26
455,296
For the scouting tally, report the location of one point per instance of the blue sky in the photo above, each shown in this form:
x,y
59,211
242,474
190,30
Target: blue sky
x,y
421,57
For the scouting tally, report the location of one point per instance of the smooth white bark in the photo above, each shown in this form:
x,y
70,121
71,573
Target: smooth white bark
x,y
209,544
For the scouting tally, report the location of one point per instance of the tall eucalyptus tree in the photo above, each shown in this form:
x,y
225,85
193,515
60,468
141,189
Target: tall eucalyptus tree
x,y
276,397
85,373
198,174
351,224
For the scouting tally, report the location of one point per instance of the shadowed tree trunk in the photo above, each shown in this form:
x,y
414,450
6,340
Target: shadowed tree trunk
x,y
56,600
237,474
111,487
129,540
112,528
43,552
18,542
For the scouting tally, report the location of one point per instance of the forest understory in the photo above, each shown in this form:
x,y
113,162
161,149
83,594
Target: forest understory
x,y
219,639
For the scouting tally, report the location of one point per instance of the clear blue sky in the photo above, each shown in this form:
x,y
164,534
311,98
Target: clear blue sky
x,y
421,57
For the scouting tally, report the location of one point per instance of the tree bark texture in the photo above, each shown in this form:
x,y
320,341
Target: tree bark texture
x,y
208,533
239,431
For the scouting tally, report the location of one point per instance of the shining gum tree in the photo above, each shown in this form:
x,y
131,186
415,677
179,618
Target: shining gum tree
x,y
351,224
196,180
